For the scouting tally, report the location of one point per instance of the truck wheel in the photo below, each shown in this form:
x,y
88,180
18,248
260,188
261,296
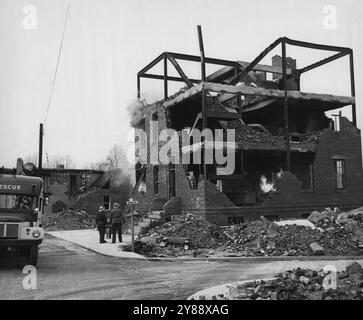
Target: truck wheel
x,y
32,255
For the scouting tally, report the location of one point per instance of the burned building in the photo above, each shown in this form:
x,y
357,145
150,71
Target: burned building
x,y
289,157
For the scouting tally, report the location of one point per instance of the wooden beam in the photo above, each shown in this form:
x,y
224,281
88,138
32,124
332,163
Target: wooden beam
x,y
165,76
180,71
265,68
169,78
196,89
193,58
244,90
317,46
151,64
322,62
226,72
273,93
352,86
223,115
255,61
286,107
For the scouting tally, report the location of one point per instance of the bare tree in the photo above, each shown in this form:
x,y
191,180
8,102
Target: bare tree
x,y
58,160
116,158
101,166
68,163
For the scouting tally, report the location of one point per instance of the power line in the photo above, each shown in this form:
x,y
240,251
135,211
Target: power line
x,y
56,68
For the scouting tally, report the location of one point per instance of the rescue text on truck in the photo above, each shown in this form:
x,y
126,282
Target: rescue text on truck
x,y
21,206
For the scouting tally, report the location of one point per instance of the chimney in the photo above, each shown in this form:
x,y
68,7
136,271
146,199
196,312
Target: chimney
x,y
293,80
19,166
277,62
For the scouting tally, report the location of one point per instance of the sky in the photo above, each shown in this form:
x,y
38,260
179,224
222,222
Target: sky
x,y
107,42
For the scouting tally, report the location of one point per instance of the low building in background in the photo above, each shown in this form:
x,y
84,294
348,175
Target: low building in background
x,y
64,186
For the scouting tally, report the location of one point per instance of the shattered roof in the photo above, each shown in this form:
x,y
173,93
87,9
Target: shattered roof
x,y
326,101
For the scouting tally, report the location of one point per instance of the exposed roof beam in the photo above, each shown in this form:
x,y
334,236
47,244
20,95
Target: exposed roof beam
x,y
324,61
189,57
255,61
316,46
169,78
184,95
151,64
180,71
265,68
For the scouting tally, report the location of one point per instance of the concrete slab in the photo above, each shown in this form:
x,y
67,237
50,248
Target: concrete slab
x,y
88,239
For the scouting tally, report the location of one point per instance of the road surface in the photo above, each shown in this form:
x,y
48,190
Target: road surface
x,y
67,271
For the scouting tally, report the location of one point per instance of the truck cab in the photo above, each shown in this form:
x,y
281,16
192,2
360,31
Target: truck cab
x,y
21,206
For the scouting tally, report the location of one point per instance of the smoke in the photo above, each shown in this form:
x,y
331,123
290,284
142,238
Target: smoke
x,y
136,112
119,178
265,185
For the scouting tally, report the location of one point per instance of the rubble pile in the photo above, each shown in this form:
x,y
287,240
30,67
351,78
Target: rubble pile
x,y
67,220
304,284
185,235
260,239
347,225
332,233
250,135
311,139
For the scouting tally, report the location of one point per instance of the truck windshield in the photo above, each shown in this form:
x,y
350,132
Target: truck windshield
x,y
20,202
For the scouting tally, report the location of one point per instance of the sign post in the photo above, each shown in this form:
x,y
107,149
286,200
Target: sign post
x,y
131,202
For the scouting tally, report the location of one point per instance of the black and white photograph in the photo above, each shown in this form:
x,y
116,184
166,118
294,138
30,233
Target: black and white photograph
x,y
181,155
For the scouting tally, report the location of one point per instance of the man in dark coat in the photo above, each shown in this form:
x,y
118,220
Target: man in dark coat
x,y
116,222
101,222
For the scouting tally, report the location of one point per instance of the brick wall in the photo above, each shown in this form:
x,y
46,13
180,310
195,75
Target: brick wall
x,y
290,200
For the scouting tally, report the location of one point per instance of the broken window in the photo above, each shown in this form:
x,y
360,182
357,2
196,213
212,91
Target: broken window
x,y
107,202
155,116
156,180
340,174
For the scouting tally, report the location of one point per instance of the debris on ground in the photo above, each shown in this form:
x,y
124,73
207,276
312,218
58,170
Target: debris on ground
x,y
329,232
304,284
185,235
67,219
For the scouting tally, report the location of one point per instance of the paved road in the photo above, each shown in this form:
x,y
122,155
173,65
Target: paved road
x,y
66,271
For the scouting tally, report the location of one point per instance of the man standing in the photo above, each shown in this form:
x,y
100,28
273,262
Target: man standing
x,y
116,222
101,222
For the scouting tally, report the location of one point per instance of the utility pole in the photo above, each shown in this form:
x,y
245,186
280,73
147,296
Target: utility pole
x,y
131,203
40,160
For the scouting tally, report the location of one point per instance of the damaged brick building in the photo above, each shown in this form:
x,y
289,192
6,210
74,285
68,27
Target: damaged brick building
x,y
290,158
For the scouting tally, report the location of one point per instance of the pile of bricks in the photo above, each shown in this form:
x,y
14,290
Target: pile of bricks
x,y
304,284
330,237
193,231
335,234
68,220
251,135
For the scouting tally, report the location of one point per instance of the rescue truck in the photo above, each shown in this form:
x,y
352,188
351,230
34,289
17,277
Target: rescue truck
x,y
21,206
